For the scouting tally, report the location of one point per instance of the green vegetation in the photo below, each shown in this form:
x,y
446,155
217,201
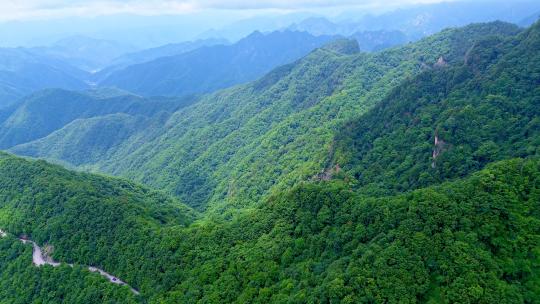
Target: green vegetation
x,y
210,68
233,148
47,111
89,220
475,240
472,241
23,283
405,176
480,111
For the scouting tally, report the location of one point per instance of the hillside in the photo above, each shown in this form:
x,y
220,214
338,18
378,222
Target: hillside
x,y
234,147
475,240
23,72
450,120
215,67
22,282
47,111
88,220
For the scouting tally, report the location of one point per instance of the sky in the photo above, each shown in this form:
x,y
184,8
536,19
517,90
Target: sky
x,y
150,23
18,10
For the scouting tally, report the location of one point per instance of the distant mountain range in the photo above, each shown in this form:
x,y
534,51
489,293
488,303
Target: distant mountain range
x,y
420,20
23,71
147,55
210,68
85,53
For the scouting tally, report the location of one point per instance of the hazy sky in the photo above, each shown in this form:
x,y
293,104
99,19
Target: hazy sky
x,y
45,9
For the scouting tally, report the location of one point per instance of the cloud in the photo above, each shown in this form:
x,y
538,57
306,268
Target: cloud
x,y
30,9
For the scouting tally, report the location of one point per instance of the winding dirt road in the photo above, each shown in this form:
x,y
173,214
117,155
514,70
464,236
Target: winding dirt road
x,y
40,259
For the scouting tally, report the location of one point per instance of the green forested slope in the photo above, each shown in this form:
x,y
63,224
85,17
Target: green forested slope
x,y
88,219
480,111
86,140
23,283
233,147
339,196
47,111
472,241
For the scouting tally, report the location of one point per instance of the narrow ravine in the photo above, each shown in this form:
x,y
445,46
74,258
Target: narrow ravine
x,y
40,259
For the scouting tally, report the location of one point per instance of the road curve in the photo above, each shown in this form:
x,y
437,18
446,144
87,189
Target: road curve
x,y
40,259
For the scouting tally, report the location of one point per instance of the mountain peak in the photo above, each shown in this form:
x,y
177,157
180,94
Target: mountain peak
x,y
343,46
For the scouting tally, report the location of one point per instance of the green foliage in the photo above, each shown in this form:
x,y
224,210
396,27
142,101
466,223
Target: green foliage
x,y
89,220
50,110
475,240
312,225
233,148
23,283
480,111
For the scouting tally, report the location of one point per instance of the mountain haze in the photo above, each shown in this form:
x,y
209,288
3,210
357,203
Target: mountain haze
x,y
210,68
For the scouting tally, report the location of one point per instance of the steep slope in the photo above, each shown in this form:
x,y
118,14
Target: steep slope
x,y
451,120
475,240
86,219
233,147
47,111
210,68
22,282
84,141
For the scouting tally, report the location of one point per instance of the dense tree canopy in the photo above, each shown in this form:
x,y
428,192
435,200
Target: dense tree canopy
x,y
406,176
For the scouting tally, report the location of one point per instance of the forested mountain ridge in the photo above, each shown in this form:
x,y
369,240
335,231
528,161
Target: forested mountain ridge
x,y
451,120
407,175
210,68
233,147
474,240
88,219
47,111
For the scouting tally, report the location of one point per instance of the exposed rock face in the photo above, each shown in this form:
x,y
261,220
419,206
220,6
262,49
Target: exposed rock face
x,y
441,63
437,149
